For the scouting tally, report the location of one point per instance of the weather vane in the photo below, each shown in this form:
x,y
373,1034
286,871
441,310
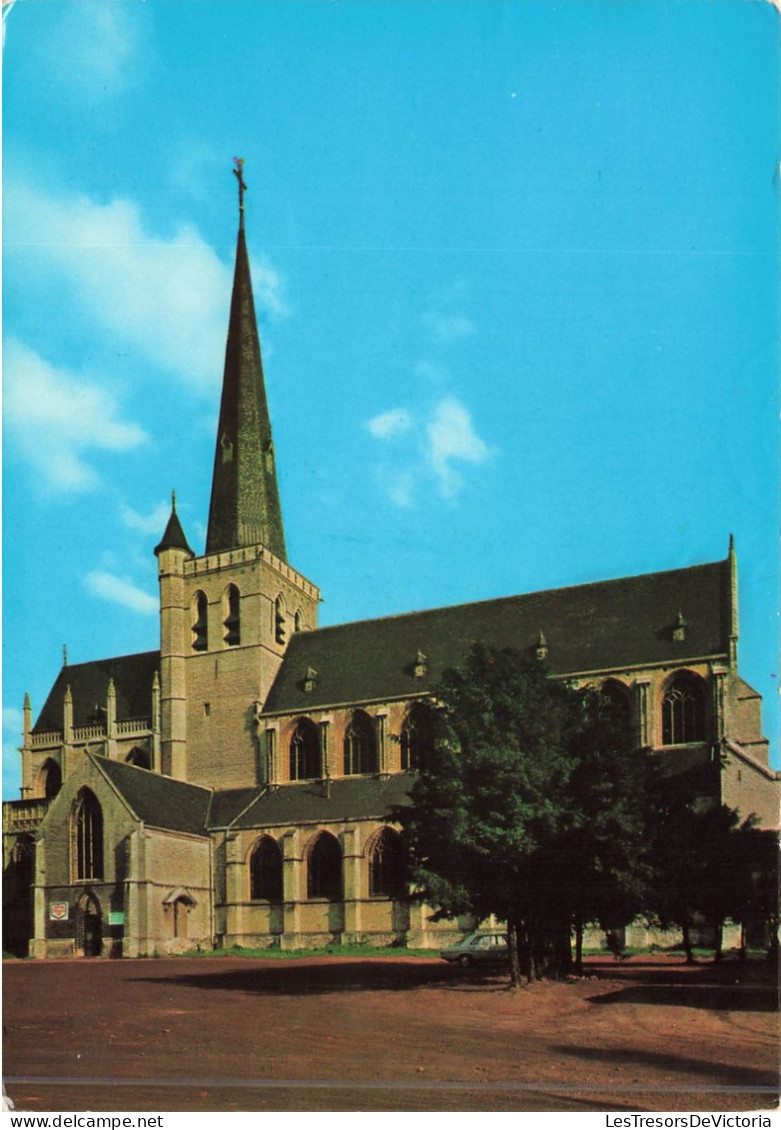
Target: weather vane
x,y
238,173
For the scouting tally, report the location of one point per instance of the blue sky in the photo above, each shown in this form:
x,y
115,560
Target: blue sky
x,y
516,274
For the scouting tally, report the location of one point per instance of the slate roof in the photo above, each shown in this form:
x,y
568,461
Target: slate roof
x,y
161,802
174,536
351,798
132,674
244,507
617,624
227,804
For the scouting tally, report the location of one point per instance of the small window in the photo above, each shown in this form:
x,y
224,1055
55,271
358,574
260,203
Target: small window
x,y
298,621
324,869
266,870
200,631
232,621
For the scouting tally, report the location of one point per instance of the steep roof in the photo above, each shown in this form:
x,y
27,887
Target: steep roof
x,y
161,802
174,536
244,507
348,798
132,674
616,624
227,804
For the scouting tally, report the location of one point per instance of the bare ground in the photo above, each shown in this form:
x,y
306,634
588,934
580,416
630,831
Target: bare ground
x,y
386,1034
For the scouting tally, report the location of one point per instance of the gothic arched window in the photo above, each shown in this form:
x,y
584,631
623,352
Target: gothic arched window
x,y
417,735
360,745
139,758
324,869
265,870
232,622
305,751
683,710
87,837
617,698
23,868
51,778
386,865
199,615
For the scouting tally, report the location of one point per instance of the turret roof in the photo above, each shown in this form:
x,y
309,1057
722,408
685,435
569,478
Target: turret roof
x,y
174,536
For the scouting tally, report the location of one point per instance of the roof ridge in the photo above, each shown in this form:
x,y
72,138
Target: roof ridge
x,y
512,596
123,766
109,659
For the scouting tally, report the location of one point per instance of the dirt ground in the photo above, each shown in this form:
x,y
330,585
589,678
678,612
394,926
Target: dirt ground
x,y
386,1034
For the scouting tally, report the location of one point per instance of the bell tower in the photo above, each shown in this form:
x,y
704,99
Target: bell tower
x,y
227,616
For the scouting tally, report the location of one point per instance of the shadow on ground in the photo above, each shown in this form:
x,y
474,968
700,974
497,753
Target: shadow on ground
x,y
728,986
302,978
708,986
669,1062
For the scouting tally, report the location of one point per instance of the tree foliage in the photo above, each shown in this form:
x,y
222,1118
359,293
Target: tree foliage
x,y
707,865
529,806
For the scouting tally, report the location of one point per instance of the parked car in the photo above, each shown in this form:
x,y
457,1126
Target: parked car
x,y
478,948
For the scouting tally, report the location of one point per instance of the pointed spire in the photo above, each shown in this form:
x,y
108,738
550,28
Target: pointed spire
x,y
734,631
174,537
245,508
27,715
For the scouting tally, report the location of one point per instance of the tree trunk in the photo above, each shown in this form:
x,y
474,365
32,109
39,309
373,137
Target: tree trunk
x,y
687,942
719,942
512,941
578,944
562,949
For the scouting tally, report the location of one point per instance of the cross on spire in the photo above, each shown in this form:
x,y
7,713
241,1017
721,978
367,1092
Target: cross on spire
x,y
238,173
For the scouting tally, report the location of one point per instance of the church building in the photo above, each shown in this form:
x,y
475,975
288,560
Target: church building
x,y
235,785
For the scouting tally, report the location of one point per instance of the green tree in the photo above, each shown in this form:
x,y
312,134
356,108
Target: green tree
x,y
529,806
706,863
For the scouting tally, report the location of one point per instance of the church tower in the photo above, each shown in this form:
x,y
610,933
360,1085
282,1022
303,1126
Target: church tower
x,y
226,617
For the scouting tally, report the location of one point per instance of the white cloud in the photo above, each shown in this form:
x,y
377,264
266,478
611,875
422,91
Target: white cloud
x,y
449,327
166,298
56,416
398,483
401,488
445,437
452,437
119,590
96,48
152,523
394,422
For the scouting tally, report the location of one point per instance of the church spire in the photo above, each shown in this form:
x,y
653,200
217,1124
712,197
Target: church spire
x,y
244,507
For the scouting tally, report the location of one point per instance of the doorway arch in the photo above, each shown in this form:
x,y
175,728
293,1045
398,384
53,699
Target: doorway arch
x,y
89,926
